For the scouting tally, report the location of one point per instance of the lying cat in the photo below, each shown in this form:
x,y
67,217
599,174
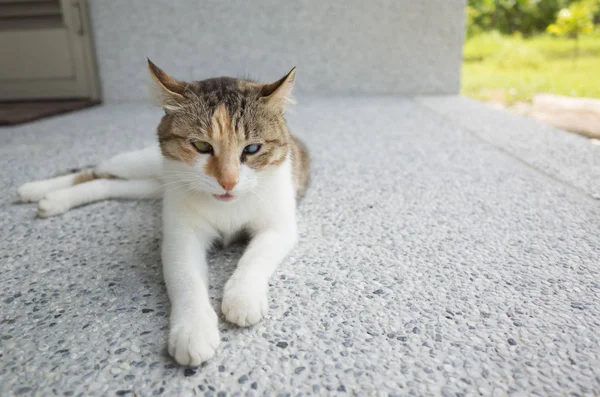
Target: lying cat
x,y
226,163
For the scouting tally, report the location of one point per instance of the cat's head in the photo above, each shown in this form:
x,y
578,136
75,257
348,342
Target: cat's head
x,y
220,135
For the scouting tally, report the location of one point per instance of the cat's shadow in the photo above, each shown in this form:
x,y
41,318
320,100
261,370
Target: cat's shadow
x,y
222,260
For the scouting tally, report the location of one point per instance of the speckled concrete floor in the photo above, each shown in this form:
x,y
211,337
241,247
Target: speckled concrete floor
x,y
430,262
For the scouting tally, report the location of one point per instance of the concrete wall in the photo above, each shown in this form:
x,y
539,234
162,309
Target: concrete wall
x,y
405,47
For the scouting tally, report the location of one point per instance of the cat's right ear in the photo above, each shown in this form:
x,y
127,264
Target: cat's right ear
x,y
168,92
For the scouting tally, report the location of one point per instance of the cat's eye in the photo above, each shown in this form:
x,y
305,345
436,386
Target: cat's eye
x,y
203,147
251,149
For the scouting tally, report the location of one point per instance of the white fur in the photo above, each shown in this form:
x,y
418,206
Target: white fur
x,y
62,200
138,164
192,220
140,171
35,191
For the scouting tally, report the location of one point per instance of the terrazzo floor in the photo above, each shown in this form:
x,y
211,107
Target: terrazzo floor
x,y
438,254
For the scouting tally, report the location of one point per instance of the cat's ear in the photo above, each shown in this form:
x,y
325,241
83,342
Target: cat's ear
x,y
277,94
168,92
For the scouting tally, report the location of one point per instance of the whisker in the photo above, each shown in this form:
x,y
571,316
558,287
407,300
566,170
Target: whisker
x,y
165,192
153,192
161,187
261,195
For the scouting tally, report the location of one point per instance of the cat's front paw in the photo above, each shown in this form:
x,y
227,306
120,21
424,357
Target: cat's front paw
x,y
194,338
244,302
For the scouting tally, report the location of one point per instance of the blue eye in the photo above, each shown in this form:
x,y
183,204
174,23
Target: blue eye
x,y
251,149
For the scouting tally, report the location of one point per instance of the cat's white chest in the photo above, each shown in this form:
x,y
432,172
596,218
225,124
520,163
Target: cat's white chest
x,y
225,219
272,204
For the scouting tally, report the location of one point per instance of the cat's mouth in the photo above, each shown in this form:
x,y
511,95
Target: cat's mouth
x,y
224,197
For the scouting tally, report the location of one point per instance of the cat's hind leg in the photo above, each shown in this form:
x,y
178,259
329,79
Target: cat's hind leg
x,y
138,164
37,190
62,200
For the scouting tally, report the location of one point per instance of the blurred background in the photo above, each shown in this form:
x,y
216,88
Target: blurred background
x,y
518,51
517,48
92,50
63,55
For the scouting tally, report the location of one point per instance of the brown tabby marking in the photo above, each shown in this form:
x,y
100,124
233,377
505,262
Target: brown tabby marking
x,y
86,175
301,166
229,114
174,143
83,176
224,164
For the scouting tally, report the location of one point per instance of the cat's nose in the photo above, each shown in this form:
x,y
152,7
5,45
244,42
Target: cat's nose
x,y
228,183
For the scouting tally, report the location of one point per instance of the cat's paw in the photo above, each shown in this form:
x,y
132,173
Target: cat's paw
x,y
194,339
32,192
52,204
244,302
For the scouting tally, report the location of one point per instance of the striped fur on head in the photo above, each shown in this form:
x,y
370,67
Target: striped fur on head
x,y
229,114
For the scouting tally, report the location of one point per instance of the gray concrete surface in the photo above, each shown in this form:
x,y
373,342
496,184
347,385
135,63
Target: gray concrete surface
x,y
430,262
568,157
401,47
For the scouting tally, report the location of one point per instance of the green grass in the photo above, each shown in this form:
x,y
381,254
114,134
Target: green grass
x,y
510,68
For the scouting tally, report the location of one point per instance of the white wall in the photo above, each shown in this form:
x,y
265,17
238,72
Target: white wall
x,y
404,47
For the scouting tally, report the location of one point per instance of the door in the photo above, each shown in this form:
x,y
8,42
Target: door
x,y
46,50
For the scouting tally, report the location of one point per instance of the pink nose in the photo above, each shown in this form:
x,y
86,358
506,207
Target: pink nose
x,y
228,184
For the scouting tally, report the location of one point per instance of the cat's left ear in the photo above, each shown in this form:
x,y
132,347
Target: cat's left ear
x,y
168,91
277,94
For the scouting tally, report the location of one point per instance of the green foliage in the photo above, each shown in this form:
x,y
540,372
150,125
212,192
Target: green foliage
x,y
513,68
510,16
504,52
483,45
575,20
508,58
516,54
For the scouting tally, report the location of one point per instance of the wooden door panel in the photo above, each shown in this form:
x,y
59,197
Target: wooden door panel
x,y
46,50
36,54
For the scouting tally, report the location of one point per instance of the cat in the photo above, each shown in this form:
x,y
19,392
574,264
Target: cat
x,y
225,163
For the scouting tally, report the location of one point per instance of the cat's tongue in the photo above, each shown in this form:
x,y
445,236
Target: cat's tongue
x,y
223,197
